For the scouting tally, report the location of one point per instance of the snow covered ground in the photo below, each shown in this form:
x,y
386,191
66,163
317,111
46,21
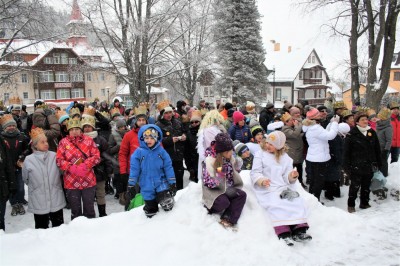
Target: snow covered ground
x,y
188,236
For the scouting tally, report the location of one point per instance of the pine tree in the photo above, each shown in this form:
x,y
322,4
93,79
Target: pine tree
x,y
239,48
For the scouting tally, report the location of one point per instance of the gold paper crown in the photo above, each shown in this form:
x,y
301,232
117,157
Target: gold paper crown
x,y
36,132
393,105
88,120
14,100
141,110
250,106
285,117
362,109
196,115
115,111
6,118
74,111
60,113
161,105
89,111
338,104
384,113
105,114
370,112
347,113
74,123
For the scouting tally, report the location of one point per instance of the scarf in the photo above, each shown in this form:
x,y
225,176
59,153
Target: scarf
x,y
363,130
92,134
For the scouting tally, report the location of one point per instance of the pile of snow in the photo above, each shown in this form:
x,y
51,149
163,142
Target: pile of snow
x,y
189,236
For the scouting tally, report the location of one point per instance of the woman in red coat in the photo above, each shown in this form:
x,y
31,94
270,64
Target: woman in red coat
x,y
395,121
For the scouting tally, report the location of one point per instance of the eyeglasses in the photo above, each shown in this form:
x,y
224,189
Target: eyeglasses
x,y
194,122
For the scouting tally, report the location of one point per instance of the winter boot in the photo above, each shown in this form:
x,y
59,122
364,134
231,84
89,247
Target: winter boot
x,y
166,200
14,210
150,208
102,210
300,235
122,199
365,206
21,209
351,209
287,238
109,188
193,176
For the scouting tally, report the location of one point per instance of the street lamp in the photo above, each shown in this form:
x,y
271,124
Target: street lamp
x,y
108,94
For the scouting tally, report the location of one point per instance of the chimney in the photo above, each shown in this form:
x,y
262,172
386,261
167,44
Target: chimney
x,y
277,47
289,49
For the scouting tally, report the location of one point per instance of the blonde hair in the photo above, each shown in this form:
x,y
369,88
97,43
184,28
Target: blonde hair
x,y
218,161
278,153
211,118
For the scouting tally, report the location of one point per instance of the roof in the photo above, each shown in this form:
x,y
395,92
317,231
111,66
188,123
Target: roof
x,y
123,89
334,88
287,65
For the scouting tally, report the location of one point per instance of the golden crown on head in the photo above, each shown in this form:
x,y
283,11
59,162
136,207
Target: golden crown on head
x,y
338,104
115,111
370,111
89,111
346,113
6,118
384,113
393,105
362,109
141,110
250,106
161,105
60,113
88,120
36,132
105,114
285,117
72,123
74,111
14,100
196,114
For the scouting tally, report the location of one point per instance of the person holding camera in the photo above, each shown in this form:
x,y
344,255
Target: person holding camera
x,y
174,139
151,169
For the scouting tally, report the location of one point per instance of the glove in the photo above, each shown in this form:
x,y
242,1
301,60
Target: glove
x,y
335,118
172,189
289,194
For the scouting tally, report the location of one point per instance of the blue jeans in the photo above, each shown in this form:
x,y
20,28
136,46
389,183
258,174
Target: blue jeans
x,y
394,153
19,196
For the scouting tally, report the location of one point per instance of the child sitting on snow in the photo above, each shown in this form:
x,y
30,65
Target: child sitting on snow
x,y
274,178
243,152
151,166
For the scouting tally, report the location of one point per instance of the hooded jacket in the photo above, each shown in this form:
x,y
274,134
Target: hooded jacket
x,y
151,167
384,130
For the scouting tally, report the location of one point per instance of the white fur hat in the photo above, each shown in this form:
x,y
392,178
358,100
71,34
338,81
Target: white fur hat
x,y
277,139
344,128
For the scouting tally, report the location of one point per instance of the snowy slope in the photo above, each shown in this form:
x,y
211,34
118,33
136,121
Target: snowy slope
x,y
188,236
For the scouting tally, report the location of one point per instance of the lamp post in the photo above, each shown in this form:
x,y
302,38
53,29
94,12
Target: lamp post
x,y
108,94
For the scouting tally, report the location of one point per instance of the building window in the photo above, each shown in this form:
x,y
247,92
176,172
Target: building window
x,y
89,93
76,77
89,76
47,94
6,96
319,74
4,78
209,92
313,59
278,94
56,58
77,93
24,78
46,76
103,92
396,76
63,94
64,58
102,77
25,95
301,74
62,77
73,61
19,57
48,60
309,59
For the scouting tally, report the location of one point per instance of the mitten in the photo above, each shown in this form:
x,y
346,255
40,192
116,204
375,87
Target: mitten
x,y
172,189
82,170
73,169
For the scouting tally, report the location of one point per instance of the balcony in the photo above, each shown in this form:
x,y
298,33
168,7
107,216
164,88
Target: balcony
x,y
312,81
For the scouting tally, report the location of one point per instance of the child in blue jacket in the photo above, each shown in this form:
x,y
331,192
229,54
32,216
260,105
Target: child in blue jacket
x,y
151,167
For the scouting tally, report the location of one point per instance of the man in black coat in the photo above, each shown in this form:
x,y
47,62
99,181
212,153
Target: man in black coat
x,y
267,115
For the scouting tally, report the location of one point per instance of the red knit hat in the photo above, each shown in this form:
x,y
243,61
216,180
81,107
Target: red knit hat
x,y
313,114
237,117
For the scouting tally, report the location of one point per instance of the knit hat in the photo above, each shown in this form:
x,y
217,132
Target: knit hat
x,y
344,128
228,106
358,115
164,106
150,132
120,123
269,106
250,107
195,115
230,112
72,123
88,120
7,120
322,107
241,148
287,106
61,116
277,139
384,114
223,143
255,130
253,122
313,114
38,103
237,117
394,105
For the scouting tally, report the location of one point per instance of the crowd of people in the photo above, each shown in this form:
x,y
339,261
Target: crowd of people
x,y
72,158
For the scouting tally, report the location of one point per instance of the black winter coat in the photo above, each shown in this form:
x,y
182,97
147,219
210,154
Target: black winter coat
x,y
7,173
336,161
105,167
265,118
190,149
17,146
171,129
361,153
